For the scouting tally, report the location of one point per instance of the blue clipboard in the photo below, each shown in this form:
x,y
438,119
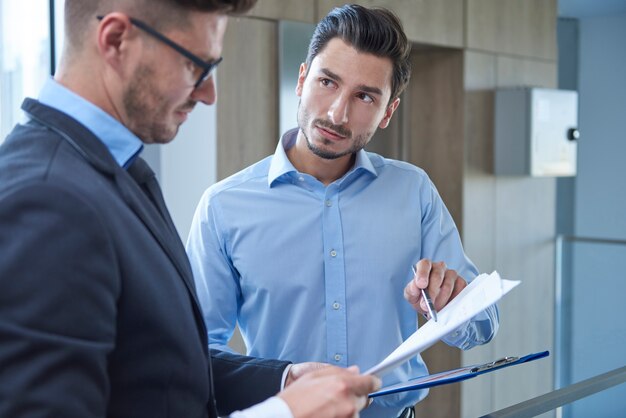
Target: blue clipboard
x,y
457,375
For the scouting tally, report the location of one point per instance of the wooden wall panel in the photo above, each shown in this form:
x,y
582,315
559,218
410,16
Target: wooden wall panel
x,y
247,106
479,210
298,10
435,131
526,72
516,27
436,22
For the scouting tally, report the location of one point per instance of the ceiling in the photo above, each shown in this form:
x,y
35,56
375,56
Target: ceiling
x,y
591,8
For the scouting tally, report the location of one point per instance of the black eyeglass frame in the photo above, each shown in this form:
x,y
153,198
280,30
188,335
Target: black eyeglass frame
x,y
207,67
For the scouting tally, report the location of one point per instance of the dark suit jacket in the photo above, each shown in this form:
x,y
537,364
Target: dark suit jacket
x,y
98,313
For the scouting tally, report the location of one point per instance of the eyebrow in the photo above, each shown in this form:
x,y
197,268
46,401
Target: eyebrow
x,y
362,87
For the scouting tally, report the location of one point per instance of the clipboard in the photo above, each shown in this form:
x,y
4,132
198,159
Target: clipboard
x,y
457,375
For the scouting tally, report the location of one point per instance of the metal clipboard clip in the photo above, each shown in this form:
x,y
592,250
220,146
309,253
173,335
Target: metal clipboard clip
x,y
492,364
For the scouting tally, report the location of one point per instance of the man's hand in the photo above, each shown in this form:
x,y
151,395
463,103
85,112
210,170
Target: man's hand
x,y
330,392
298,370
441,284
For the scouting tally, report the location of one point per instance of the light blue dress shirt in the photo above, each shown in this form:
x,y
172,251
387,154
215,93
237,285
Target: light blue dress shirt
x,y
317,273
122,143
125,147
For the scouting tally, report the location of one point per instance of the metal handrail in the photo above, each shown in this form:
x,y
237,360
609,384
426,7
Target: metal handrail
x,y
573,238
560,397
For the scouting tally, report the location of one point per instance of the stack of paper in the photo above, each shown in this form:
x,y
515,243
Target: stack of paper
x,y
484,291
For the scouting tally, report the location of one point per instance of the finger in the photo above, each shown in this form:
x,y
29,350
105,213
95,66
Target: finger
x,y
416,301
354,369
435,280
329,370
459,285
364,385
422,273
446,288
412,293
298,370
360,402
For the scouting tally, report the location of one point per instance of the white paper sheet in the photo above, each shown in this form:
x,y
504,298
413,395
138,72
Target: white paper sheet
x,y
482,292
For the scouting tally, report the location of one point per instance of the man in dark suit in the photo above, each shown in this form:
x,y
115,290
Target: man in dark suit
x,y
98,311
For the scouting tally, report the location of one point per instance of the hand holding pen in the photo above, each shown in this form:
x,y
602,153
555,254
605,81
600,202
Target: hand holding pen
x,y
432,312
434,281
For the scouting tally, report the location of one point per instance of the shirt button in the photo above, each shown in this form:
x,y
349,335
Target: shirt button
x,y
333,253
329,203
301,178
337,357
336,306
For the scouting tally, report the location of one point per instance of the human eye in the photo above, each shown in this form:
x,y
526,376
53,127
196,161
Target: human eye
x,y
327,82
365,97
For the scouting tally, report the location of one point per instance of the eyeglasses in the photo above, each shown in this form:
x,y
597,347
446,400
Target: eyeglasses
x,y
207,68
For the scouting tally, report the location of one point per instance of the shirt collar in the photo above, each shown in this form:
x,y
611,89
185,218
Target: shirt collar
x,y
281,166
121,143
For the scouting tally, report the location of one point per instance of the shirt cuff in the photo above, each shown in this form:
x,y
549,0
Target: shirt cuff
x,y
285,375
272,408
458,336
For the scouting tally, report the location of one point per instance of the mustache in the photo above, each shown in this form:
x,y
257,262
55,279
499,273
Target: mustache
x,y
339,129
189,106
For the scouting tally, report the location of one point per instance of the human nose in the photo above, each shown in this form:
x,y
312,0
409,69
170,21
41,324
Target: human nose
x,y
206,92
338,111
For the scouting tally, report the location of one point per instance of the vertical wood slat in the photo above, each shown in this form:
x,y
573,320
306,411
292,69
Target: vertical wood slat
x,y
435,131
478,211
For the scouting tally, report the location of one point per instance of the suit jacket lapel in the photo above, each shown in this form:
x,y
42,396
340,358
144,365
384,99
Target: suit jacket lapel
x,y
147,211
96,153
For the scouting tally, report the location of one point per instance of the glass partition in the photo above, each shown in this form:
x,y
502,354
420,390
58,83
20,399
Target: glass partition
x,y
590,325
24,56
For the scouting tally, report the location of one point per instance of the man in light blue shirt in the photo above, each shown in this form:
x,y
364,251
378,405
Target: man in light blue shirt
x,y
310,250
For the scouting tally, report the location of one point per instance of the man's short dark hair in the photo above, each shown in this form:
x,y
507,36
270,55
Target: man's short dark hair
x,y
160,14
376,31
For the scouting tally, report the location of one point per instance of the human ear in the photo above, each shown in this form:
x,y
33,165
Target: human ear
x,y
389,112
114,34
301,78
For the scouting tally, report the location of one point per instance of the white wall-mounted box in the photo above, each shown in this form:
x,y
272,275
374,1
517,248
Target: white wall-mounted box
x,y
535,132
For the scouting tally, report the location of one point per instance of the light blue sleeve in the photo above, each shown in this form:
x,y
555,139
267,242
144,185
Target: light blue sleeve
x,y
441,242
217,282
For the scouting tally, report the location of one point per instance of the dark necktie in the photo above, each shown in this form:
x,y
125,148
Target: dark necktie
x,y
141,172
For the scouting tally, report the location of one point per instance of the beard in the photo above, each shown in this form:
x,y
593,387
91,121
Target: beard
x,y
147,108
357,143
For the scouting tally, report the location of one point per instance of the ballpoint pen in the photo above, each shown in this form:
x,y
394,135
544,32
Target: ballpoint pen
x,y
429,302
